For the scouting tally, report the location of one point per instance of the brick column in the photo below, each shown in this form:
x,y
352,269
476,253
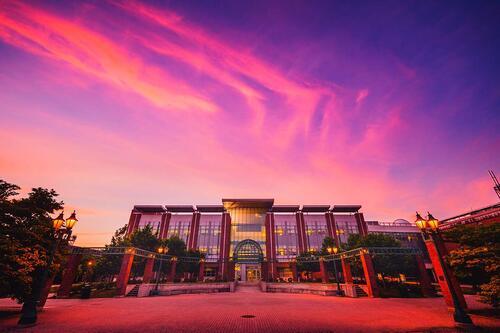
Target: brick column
x,y
371,279
201,271
362,226
346,271
122,280
301,232
193,235
69,274
225,242
148,270
164,224
271,245
230,270
324,272
332,227
173,270
264,270
293,267
438,269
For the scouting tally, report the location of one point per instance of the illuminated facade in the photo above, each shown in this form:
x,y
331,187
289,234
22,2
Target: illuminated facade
x,y
251,239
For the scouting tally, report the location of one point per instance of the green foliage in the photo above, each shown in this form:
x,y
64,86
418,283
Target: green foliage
x,y
327,242
477,260
387,265
304,263
490,292
371,240
108,266
26,238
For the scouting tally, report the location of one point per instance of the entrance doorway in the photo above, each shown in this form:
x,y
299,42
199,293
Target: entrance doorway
x,y
248,257
248,272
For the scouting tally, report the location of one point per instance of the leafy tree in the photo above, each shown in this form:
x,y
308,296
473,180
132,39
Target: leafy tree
x,y
386,264
108,266
477,260
26,240
308,262
328,242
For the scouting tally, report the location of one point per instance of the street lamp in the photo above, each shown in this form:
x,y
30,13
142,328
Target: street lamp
x,y
62,232
161,250
335,250
430,230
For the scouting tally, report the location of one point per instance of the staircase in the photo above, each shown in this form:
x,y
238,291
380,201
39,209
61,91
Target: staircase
x,y
134,291
248,287
360,292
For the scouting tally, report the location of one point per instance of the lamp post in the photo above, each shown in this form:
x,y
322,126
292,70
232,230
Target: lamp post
x,y
430,230
161,250
62,232
335,250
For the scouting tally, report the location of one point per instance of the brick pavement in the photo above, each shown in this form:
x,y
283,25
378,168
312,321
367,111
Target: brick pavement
x,y
222,313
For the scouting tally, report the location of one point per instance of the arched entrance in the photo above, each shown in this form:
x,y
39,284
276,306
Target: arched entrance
x,y
248,257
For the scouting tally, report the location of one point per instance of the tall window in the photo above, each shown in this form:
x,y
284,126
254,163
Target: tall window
x,y
316,230
153,220
180,226
346,225
248,223
285,231
209,235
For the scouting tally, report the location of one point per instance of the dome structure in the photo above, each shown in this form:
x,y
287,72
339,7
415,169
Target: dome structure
x,y
401,222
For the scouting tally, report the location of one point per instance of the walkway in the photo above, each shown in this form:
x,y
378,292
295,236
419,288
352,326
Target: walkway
x,y
222,312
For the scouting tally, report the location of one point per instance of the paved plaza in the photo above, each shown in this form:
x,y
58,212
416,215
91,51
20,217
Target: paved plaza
x,y
222,312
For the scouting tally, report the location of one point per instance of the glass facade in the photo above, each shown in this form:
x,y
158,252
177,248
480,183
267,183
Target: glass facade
x,y
153,220
285,231
346,225
316,230
248,223
209,235
180,226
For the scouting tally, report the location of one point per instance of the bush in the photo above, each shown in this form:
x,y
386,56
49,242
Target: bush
x,y
490,292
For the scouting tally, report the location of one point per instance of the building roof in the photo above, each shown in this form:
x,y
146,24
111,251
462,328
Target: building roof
x,y
180,208
285,208
346,208
247,203
486,214
315,208
149,208
210,208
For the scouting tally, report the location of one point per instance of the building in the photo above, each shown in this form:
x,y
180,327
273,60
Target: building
x,y
250,239
483,216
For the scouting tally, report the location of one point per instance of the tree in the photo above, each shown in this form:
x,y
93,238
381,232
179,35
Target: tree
x,y
386,264
477,259
328,242
308,262
26,239
107,266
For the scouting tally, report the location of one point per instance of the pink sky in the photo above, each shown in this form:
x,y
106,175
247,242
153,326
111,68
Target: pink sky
x,y
123,103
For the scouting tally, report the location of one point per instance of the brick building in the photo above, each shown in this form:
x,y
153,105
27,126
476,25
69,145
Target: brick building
x,y
250,239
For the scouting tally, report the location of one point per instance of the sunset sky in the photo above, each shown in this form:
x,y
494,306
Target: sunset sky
x,y
393,105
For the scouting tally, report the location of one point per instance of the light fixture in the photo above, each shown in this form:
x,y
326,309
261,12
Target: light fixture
x,y
71,221
432,221
58,221
421,222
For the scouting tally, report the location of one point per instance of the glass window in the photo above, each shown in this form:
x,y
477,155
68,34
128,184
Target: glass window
x,y
248,223
316,230
180,226
153,220
346,225
285,231
209,235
